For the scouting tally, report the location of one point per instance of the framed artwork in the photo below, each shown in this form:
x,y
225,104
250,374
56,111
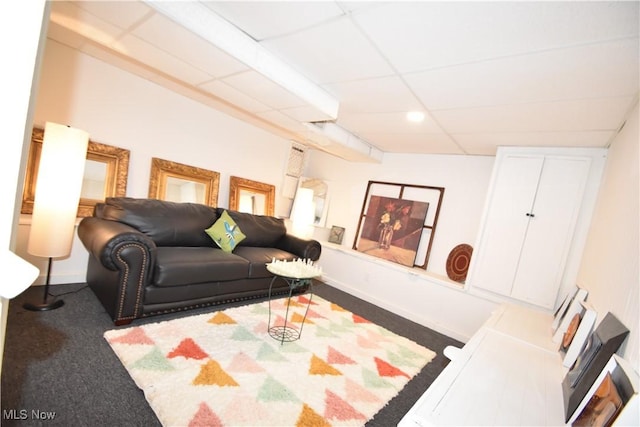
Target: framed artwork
x,y
573,308
608,397
561,311
575,337
336,235
602,343
392,229
398,222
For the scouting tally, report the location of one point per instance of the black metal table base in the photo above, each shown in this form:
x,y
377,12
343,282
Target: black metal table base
x,y
288,332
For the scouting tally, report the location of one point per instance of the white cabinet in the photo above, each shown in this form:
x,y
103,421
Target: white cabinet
x,y
534,202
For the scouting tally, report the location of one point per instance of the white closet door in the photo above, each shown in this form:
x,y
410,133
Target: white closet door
x,y
550,230
513,195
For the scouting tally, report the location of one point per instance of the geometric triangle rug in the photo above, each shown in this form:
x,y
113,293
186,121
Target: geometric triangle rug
x,y
224,369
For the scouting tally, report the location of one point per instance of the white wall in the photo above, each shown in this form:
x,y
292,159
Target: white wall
x,y
429,298
465,179
121,109
609,269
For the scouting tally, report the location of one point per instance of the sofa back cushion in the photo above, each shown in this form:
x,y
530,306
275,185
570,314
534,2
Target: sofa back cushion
x,y
166,223
260,230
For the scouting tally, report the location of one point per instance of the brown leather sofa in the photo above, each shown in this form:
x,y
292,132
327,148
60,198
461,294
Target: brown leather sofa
x,y
149,257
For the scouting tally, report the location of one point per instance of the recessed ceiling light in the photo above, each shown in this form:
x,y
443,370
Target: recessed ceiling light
x,y
415,116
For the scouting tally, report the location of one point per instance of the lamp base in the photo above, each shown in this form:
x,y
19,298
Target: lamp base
x,y
49,304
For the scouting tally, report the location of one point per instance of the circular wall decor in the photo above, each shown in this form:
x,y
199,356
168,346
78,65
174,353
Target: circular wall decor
x,y
458,262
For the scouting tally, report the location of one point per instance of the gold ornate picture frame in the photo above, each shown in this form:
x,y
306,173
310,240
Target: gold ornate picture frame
x,y
108,178
178,182
262,196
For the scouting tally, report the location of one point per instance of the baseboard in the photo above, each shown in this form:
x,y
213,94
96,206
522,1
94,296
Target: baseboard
x,y
395,309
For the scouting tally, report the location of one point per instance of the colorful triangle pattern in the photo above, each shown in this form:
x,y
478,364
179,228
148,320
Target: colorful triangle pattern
x,y
224,369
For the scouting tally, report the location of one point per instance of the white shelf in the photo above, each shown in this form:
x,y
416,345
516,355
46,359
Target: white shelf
x,y
509,373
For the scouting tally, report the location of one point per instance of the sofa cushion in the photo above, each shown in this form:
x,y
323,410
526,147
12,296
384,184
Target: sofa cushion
x,y
166,223
261,230
188,265
258,259
225,233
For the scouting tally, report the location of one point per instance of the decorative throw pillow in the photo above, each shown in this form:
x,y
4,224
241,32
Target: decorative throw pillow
x,y
225,232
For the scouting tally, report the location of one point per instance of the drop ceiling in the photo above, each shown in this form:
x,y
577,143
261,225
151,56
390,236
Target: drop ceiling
x,y
484,73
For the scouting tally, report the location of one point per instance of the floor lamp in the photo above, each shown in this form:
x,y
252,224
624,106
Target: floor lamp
x,y
55,207
302,213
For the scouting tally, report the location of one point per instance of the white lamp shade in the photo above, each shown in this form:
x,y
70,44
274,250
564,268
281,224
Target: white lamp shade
x,y
18,272
64,152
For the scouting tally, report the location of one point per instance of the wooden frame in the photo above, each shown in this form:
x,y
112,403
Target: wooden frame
x,y
164,170
238,185
116,166
409,192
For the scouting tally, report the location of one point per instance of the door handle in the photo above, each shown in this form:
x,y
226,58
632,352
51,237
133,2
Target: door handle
x,y
530,215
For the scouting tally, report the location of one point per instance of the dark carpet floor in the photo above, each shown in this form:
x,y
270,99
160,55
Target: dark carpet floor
x,y
58,369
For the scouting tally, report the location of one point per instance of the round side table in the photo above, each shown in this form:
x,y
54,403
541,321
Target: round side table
x,y
287,332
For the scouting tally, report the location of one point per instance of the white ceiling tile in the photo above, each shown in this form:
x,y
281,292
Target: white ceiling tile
x,y
267,19
74,18
394,122
140,50
374,95
422,35
263,90
413,143
234,96
600,70
585,115
335,51
122,14
485,143
192,49
306,113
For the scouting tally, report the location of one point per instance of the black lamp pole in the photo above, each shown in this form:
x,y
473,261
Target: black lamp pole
x,y
48,303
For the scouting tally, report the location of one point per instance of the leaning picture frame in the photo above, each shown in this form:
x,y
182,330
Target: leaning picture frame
x,y
336,235
561,311
377,215
612,397
602,343
575,337
574,307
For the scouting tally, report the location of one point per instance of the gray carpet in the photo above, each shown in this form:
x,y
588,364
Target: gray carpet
x,y
58,366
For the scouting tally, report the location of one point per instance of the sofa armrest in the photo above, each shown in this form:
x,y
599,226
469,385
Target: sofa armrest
x,y
304,248
105,240
121,261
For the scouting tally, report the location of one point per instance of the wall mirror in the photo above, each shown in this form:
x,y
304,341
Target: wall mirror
x,y
252,197
320,198
105,174
176,182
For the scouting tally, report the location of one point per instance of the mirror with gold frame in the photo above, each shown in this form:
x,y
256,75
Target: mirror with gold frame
x,y
105,174
252,197
176,182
